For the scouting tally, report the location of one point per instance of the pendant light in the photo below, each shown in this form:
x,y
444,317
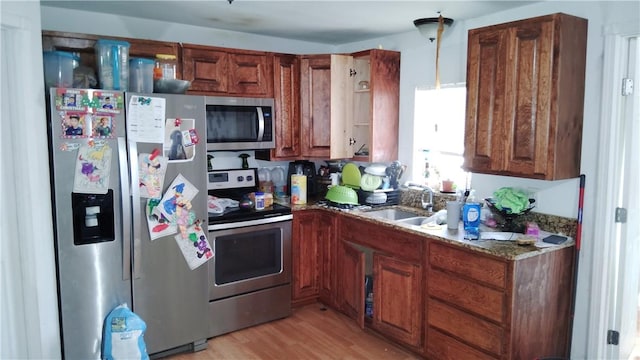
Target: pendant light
x,y
433,29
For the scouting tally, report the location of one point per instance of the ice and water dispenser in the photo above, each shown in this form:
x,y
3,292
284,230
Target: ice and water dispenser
x,y
93,218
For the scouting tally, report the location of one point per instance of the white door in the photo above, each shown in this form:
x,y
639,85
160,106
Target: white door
x,y
625,312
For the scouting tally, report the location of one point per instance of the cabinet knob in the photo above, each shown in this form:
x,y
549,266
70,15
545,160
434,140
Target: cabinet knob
x,y
352,72
352,141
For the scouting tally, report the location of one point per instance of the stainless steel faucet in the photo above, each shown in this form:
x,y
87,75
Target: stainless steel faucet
x,y
427,205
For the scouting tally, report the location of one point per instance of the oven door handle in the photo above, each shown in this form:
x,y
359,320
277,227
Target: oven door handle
x,y
238,224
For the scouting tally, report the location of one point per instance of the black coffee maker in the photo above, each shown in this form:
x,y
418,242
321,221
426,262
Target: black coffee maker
x,y
307,168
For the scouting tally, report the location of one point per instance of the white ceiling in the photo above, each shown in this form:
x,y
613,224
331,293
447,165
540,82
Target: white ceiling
x,y
320,21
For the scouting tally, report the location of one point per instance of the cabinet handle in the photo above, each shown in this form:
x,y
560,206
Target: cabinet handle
x,y
352,72
352,141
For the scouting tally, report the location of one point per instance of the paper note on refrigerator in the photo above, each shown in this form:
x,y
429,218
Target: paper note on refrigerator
x,y
93,166
145,119
195,247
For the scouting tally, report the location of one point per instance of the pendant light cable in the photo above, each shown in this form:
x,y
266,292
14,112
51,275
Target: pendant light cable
x,y
438,39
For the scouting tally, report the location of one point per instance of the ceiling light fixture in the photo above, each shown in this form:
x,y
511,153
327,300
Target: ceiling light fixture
x,y
428,27
432,29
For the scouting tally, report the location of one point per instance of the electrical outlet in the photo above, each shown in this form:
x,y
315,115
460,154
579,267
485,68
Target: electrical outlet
x,y
533,194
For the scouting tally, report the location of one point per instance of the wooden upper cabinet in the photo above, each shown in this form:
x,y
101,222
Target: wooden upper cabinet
x,y
525,98
350,105
83,45
223,71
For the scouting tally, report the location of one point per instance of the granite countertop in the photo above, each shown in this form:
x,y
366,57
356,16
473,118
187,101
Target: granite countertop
x,y
506,249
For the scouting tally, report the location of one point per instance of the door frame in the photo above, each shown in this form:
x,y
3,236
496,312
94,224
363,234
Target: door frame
x,y
605,267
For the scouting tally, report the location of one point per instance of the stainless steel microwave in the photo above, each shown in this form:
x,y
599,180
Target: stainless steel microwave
x,y
237,123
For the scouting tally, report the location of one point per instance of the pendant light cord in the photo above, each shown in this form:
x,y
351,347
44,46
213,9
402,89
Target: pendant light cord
x,y
438,38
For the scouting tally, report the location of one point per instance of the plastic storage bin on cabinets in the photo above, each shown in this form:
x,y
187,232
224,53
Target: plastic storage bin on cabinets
x,y
141,75
112,58
58,68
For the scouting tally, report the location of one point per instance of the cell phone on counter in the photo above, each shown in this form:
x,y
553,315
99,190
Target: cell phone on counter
x,y
555,239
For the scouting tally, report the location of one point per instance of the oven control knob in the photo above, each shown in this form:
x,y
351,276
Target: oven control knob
x,y
240,179
249,177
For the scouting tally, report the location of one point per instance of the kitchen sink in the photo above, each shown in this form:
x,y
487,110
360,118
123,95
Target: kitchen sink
x,y
417,220
391,214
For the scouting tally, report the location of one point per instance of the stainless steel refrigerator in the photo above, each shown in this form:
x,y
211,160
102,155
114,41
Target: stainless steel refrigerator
x,y
105,253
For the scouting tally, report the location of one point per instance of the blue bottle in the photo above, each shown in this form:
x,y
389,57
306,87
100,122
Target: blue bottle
x,y
471,220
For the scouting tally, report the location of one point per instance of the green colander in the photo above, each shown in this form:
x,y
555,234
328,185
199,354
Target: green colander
x,y
342,195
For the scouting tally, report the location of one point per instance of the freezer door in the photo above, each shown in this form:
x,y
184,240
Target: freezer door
x,y
92,257
171,298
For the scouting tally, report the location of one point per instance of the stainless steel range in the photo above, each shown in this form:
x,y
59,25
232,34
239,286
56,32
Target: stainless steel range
x,y
250,274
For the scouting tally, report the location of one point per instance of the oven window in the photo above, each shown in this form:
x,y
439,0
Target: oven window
x,y
231,123
247,255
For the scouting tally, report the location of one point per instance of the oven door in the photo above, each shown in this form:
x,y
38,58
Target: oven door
x,y
249,258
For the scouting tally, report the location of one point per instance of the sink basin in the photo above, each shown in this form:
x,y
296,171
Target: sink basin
x,y
417,220
391,214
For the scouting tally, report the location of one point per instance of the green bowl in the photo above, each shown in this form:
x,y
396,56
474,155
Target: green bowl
x,y
342,195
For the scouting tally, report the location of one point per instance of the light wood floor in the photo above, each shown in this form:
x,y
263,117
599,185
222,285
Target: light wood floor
x,y
309,333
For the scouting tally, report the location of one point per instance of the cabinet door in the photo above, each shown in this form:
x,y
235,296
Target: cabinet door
x,y
205,68
287,99
250,74
397,299
341,107
326,230
350,274
304,253
486,75
315,106
528,98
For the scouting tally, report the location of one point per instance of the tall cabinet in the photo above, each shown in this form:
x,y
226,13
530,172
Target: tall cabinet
x,y
525,83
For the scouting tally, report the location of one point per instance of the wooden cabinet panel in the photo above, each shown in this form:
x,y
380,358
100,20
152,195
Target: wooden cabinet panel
x,y
443,347
304,253
525,99
470,329
287,101
206,69
401,244
468,264
350,273
326,230
468,295
251,74
222,71
315,105
397,299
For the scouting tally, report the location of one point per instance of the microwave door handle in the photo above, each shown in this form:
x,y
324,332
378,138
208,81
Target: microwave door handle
x,y
260,123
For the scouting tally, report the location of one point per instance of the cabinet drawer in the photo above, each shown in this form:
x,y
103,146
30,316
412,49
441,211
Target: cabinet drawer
x,y
469,295
466,327
444,347
472,265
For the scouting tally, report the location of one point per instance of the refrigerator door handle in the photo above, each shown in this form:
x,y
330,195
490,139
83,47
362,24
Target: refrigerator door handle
x,y
126,209
136,211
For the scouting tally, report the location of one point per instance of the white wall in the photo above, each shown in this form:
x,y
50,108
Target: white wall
x,y
418,68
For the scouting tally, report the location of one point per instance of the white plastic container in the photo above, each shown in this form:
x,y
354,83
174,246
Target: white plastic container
x,y
141,75
112,59
259,201
58,68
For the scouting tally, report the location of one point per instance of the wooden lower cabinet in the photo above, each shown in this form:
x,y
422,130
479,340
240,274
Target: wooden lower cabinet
x,y
435,298
394,260
483,307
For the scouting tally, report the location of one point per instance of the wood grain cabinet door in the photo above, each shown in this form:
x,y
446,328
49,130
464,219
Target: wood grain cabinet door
x,y
397,299
350,274
286,85
327,237
315,105
250,74
205,68
304,253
